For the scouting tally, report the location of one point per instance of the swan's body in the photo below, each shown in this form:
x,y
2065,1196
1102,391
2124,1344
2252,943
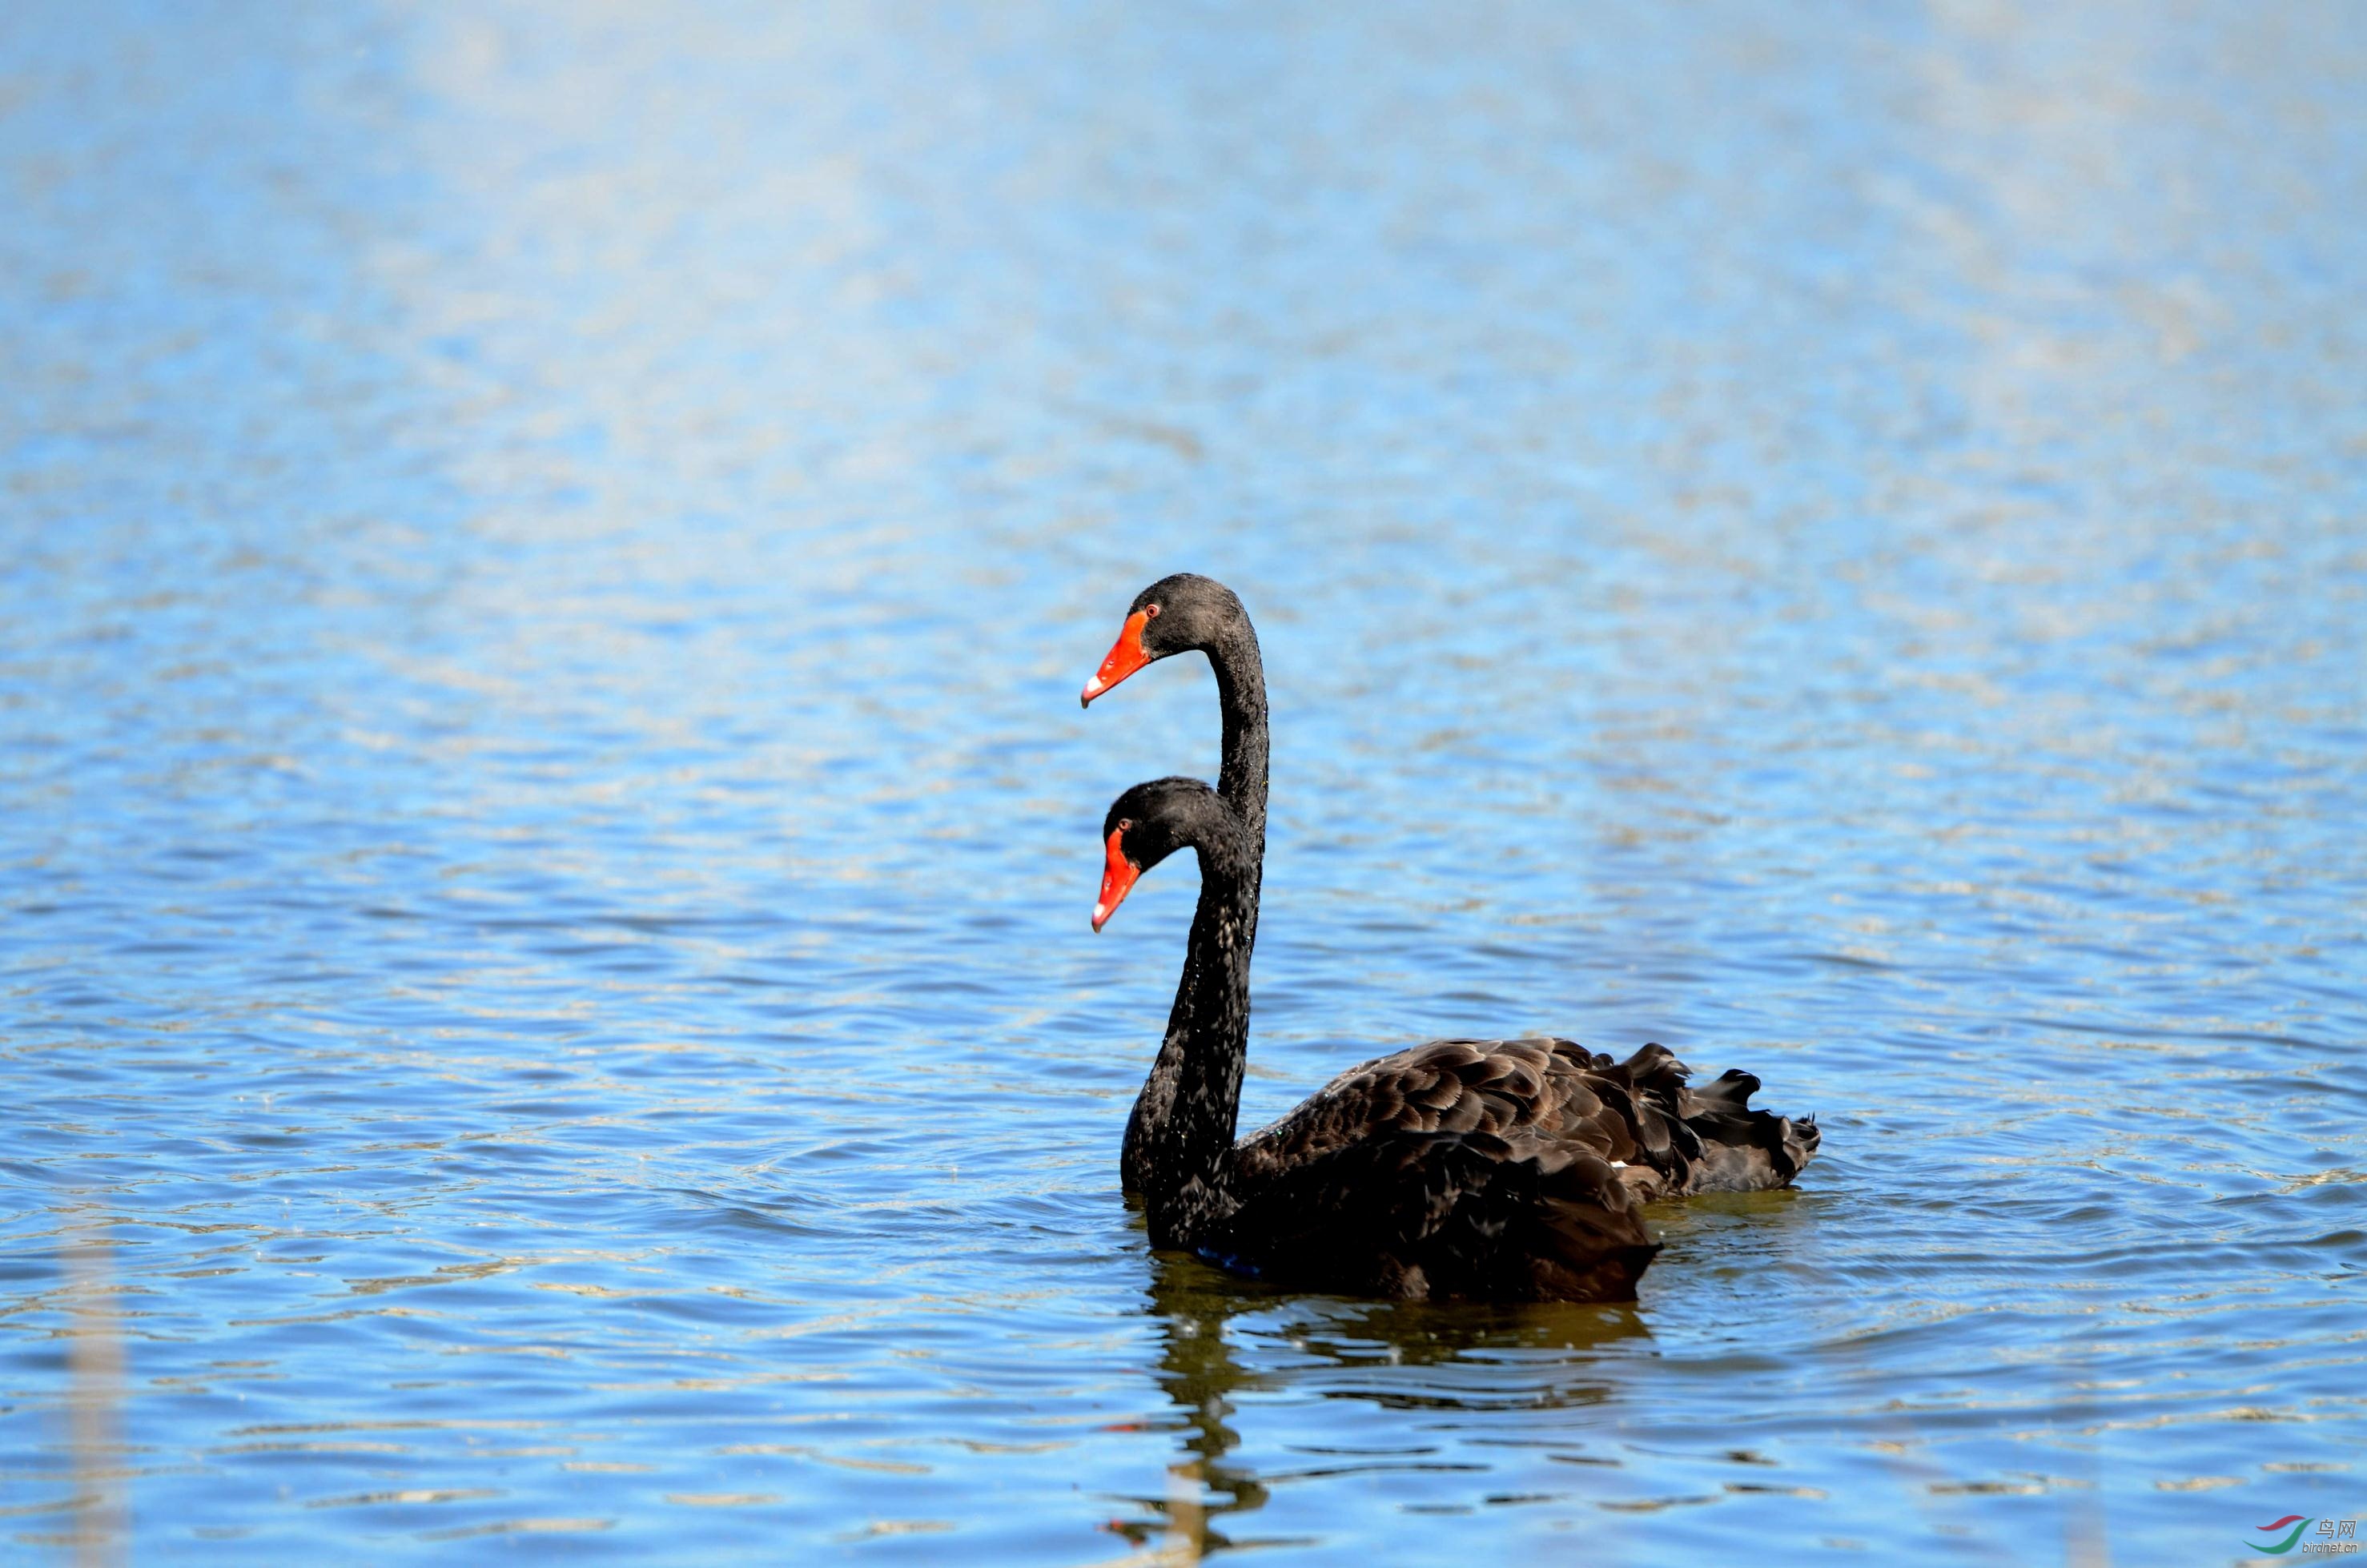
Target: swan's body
x,y
1508,1169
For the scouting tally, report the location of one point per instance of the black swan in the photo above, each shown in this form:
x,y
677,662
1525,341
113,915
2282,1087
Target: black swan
x,y
1503,1169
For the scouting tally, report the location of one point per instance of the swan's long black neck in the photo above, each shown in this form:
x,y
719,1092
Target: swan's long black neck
x,y
1183,1126
1234,659
1240,696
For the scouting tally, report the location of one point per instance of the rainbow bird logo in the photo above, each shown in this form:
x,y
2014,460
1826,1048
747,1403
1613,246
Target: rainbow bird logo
x,y
2299,1525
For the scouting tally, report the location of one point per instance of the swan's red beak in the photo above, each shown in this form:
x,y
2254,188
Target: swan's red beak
x,y
1117,881
1126,656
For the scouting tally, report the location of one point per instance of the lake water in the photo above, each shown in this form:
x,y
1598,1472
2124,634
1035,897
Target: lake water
x,y
546,833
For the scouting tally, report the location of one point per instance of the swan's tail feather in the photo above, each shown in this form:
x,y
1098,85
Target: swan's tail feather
x,y
1704,1140
1656,1071
1744,1149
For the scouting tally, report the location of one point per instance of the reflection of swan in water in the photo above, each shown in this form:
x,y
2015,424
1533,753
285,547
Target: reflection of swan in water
x,y
1329,1347
1197,1372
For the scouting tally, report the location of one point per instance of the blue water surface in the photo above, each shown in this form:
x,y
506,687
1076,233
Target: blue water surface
x,y
546,833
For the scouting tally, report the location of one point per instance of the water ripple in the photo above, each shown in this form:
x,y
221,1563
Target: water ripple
x,y
545,829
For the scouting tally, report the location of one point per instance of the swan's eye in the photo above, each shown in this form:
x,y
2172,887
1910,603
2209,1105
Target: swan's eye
x,y
1124,823
1150,612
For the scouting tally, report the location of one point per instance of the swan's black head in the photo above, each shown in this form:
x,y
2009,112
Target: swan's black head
x,y
1173,615
1148,824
